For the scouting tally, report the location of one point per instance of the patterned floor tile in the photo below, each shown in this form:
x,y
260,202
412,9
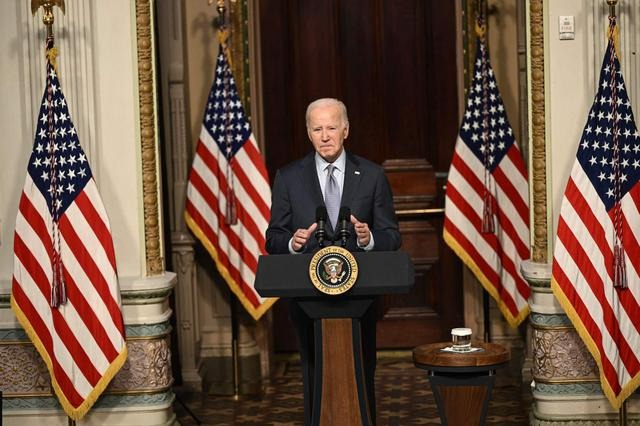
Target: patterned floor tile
x,y
403,397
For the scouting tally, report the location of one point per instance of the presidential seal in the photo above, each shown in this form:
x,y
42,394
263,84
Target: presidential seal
x,y
333,270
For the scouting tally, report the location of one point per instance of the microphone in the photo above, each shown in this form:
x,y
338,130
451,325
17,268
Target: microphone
x,y
344,218
321,220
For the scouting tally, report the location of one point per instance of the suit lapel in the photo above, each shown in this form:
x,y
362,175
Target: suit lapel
x,y
310,179
352,176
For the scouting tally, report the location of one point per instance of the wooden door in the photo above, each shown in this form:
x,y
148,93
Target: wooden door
x,y
393,63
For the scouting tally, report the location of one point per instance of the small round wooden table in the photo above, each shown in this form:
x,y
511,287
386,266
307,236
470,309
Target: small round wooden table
x,y
461,381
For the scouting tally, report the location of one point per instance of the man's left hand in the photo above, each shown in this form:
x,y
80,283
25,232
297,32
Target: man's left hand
x,y
363,234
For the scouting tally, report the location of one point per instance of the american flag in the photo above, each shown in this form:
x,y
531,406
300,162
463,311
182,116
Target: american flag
x,y
228,193
65,288
487,187
599,216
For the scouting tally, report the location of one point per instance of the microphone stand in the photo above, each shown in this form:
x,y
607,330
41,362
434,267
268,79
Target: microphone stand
x,y
321,219
343,225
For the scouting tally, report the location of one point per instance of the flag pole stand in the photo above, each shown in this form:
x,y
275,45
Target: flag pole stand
x,y
622,414
234,346
486,313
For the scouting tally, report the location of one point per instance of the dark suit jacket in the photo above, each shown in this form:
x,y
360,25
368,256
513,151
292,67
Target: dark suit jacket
x,y
296,194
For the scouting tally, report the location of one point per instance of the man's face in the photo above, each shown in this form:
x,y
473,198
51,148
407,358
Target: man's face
x,y
327,131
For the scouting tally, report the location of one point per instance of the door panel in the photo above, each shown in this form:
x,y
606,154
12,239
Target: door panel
x,y
394,66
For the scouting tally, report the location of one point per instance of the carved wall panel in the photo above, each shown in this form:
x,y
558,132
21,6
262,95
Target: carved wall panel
x,y
560,355
147,369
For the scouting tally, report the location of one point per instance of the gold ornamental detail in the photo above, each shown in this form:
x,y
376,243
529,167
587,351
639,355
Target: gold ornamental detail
x,y
150,188
538,141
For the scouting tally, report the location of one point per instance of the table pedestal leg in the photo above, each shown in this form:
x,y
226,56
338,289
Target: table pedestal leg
x,y
462,399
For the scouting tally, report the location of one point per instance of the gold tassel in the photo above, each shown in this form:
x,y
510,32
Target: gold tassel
x,y
223,36
481,30
616,40
52,55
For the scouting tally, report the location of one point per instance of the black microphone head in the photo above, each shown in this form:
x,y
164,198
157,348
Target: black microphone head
x,y
321,213
344,214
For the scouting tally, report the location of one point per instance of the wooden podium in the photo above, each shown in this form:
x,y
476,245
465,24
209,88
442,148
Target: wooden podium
x,y
340,393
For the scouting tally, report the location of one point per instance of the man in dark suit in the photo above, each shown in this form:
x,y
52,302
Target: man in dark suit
x,y
329,174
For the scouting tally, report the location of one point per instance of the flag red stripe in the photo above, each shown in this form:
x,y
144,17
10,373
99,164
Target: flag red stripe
x,y
471,251
468,175
99,228
256,158
521,285
630,239
512,193
509,229
89,318
238,171
593,280
31,215
505,223
472,216
60,325
212,236
80,357
86,262
232,239
463,240
515,156
222,256
478,186
575,197
212,201
595,229
460,201
248,222
588,323
32,266
41,330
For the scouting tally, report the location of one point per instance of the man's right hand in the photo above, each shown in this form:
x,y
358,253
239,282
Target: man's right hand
x,y
301,236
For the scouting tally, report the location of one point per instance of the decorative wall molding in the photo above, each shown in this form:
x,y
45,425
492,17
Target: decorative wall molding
x,y
538,169
149,149
106,401
554,321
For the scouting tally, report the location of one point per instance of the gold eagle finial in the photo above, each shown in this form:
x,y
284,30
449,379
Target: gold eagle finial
x,y
47,5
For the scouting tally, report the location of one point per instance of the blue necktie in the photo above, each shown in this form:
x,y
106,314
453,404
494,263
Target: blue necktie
x,y
332,196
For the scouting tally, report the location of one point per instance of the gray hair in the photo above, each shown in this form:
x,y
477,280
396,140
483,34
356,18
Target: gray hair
x,y
322,102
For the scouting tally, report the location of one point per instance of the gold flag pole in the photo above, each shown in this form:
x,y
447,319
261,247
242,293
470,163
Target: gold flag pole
x,y
47,20
223,34
622,412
